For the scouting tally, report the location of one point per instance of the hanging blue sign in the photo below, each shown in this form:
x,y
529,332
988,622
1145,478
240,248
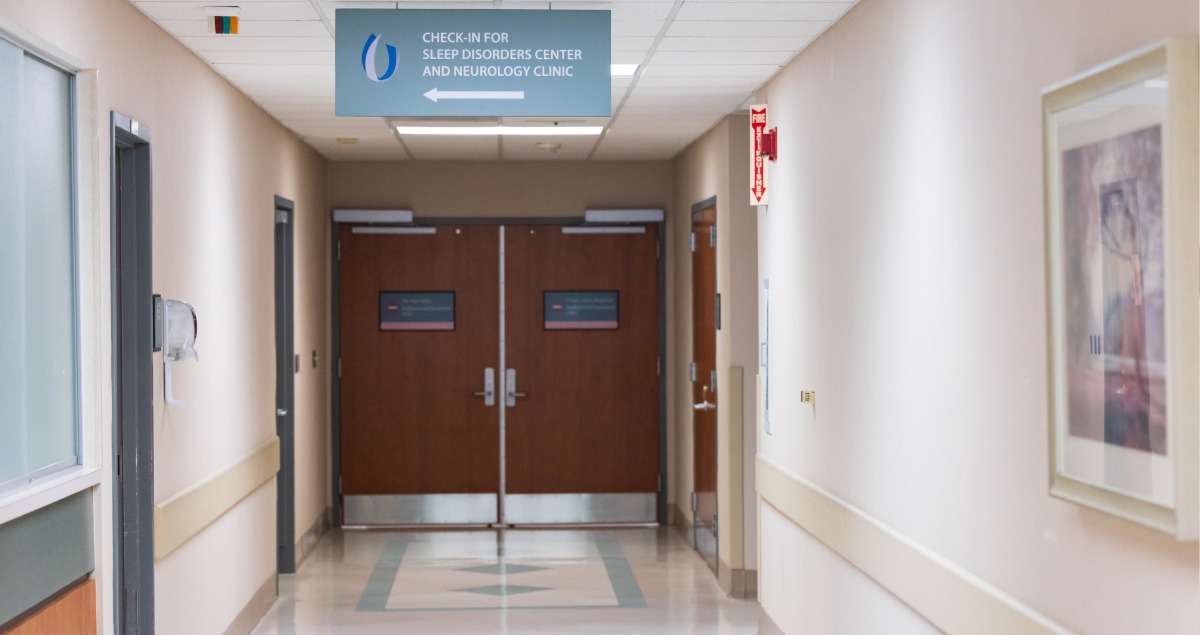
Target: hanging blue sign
x,y
473,63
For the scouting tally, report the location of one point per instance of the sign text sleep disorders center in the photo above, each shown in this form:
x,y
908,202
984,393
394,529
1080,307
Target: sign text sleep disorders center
x,y
473,63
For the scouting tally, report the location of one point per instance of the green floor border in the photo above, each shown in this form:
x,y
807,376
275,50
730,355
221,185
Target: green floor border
x,y
620,575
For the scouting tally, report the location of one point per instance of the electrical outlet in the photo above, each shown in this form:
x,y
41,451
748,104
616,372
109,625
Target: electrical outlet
x,y
808,396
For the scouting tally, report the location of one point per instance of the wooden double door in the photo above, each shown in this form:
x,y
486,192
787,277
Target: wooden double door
x,y
499,374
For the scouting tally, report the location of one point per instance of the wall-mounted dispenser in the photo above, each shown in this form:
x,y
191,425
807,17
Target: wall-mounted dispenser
x,y
179,330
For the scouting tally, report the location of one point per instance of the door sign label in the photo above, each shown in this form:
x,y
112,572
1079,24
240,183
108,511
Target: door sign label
x,y
581,310
416,311
473,63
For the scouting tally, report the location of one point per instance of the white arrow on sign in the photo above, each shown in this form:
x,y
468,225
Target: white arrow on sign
x,y
436,94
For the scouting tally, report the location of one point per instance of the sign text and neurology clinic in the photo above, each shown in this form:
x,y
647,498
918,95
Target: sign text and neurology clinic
x,y
475,62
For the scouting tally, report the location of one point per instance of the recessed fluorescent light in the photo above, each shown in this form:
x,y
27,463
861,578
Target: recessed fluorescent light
x,y
530,131
624,70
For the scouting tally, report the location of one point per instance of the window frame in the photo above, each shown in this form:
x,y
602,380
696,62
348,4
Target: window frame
x,y
49,484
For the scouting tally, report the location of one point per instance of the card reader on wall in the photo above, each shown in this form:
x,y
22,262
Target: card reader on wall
x,y
179,330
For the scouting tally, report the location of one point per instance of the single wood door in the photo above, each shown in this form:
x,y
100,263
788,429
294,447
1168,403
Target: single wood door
x,y
419,327
704,381
582,342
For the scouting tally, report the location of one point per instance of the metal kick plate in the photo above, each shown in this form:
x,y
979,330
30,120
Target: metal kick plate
x,y
545,509
421,509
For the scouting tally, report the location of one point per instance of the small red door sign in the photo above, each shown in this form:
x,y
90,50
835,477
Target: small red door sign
x,y
758,165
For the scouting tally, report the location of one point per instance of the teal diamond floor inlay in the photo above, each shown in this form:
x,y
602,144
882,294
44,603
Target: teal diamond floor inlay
x,y
503,590
502,569
616,587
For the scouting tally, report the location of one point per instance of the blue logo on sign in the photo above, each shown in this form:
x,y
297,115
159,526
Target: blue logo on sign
x,y
368,60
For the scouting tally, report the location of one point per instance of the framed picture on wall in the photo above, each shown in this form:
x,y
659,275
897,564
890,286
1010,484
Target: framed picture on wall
x,y
1123,276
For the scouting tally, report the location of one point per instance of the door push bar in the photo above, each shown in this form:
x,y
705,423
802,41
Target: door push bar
x,y
489,387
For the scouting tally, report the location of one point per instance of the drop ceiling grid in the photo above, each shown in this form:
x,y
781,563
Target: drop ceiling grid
x,y
709,59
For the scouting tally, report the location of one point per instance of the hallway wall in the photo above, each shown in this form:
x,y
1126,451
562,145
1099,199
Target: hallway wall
x,y
217,161
715,166
904,243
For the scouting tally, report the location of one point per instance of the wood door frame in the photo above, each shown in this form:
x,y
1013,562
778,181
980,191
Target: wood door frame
x,y
565,221
696,209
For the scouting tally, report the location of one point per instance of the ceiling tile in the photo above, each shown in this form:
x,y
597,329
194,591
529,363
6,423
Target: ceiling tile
x,y
380,149
747,28
195,10
714,43
622,11
762,11
697,58
278,58
450,148
250,28
525,148
632,43
711,70
241,43
637,28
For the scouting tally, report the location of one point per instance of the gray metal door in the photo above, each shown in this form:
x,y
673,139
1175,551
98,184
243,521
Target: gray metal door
x,y
285,370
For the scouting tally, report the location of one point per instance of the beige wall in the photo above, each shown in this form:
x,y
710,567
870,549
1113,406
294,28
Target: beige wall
x,y
716,164
904,242
217,161
507,189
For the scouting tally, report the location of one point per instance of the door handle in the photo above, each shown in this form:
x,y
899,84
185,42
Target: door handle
x,y
489,387
510,388
704,404
280,412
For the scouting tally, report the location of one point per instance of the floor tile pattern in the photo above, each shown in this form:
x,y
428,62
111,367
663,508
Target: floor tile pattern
x,y
527,582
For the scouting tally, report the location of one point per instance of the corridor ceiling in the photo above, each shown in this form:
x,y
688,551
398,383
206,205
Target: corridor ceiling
x,y
699,60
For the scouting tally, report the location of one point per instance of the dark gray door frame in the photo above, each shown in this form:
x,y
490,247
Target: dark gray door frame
x,y
285,384
133,377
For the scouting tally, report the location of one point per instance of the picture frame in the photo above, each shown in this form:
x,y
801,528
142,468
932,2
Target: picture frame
x,y
1122,279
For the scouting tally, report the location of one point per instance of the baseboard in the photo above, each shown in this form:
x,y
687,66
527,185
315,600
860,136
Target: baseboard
x,y
739,584
953,599
308,542
683,525
255,609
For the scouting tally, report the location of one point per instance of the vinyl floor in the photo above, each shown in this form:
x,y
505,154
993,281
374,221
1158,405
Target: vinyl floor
x,y
627,581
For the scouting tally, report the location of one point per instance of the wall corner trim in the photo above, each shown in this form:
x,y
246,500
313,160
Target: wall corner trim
x,y
183,516
951,598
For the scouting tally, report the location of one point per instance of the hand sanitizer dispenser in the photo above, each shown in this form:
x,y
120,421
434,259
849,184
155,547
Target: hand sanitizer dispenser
x,y
179,330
